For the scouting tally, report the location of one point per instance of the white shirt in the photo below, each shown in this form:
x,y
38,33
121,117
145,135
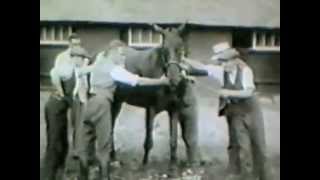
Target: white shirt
x,y
64,66
63,70
120,74
105,73
218,71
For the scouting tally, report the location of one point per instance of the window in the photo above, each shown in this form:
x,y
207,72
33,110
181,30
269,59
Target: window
x,y
55,34
144,37
242,38
266,41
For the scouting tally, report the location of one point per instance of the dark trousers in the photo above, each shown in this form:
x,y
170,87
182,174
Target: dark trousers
x,y
247,148
95,134
56,111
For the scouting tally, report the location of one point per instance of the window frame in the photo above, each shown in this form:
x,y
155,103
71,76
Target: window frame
x,y
264,47
140,43
60,29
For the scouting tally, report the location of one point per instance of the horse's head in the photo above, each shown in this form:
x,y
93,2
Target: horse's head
x,y
174,46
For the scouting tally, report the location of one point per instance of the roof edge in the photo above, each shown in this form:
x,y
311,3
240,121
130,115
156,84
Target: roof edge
x,y
142,23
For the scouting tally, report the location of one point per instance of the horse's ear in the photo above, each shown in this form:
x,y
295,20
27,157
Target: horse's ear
x,y
157,28
181,28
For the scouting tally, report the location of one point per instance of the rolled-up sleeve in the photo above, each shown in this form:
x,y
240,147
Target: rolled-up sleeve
x,y
121,75
247,78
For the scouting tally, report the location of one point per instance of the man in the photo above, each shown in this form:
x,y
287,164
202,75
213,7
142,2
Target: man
x,y
106,72
239,105
63,79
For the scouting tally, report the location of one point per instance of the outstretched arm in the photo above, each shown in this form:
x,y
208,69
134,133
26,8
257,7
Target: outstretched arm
x,y
194,64
86,68
237,93
197,72
121,75
195,68
143,81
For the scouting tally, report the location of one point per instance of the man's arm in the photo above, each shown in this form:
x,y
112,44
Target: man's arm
x,y
120,74
198,69
54,74
60,59
143,81
237,93
86,68
82,71
197,72
56,81
194,64
192,71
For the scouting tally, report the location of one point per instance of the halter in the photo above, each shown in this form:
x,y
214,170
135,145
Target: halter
x,y
173,63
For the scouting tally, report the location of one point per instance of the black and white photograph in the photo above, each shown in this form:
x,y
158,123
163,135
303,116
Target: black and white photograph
x,y
160,89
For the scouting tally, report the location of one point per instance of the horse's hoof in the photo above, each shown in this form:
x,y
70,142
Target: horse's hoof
x,y
94,173
113,157
143,167
173,171
145,163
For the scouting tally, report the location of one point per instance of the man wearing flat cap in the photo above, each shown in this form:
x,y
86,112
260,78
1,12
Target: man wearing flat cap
x,y
242,111
247,146
69,91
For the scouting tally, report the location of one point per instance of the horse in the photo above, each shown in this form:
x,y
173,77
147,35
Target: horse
x,y
178,99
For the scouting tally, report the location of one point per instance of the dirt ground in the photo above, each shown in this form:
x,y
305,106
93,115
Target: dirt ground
x,y
213,139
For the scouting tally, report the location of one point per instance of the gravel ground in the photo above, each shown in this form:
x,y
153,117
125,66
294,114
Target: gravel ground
x,y
213,138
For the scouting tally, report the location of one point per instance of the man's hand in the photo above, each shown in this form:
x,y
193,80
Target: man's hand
x,y
213,71
223,93
210,70
184,66
191,79
84,70
81,72
188,78
164,80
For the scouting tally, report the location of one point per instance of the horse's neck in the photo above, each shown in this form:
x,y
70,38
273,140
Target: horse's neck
x,y
156,66
148,63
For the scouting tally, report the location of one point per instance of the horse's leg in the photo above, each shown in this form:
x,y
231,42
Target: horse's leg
x,y
189,126
148,143
173,118
116,107
173,137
